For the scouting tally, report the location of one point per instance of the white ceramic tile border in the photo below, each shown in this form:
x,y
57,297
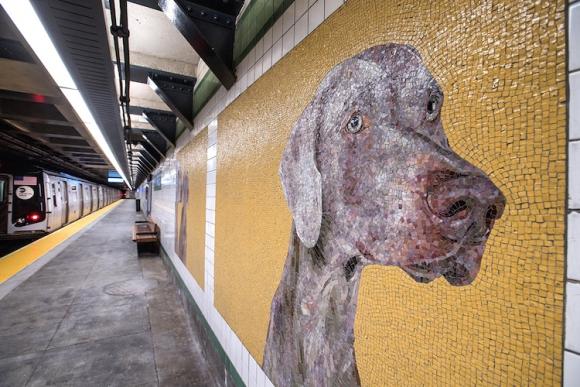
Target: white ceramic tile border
x,y
574,175
573,246
210,209
574,36
574,105
571,372
571,369
572,341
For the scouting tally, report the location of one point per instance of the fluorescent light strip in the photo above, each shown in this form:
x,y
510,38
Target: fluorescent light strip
x,y
27,21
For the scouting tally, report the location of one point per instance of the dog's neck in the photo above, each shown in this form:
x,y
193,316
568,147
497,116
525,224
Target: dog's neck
x,y
313,312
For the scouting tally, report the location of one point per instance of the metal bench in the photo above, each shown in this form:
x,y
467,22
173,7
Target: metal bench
x,y
146,235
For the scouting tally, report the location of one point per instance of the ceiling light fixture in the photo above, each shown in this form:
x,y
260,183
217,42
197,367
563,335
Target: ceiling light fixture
x,y
26,19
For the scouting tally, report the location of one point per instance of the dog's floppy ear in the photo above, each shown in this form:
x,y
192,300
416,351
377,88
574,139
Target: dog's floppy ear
x,y
300,177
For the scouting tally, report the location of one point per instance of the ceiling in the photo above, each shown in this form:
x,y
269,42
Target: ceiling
x,y
37,124
164,67
163,70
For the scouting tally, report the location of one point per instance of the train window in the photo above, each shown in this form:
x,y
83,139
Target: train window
x,y
3,189
54,195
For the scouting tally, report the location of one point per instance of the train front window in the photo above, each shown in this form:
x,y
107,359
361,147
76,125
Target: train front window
x,y
3,190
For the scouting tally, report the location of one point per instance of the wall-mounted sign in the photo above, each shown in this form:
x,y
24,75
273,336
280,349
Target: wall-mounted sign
x,y
157,182
113,173
24,192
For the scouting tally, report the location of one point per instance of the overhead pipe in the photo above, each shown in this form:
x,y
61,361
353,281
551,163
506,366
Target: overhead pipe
x,y
121,31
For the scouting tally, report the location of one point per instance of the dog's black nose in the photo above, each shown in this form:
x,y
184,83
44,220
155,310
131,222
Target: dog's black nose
x,y
467,206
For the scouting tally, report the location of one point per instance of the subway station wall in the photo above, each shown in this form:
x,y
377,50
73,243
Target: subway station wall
x,y
500,68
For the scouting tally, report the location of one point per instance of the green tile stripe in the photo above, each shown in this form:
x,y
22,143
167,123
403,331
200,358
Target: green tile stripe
x,y
229,366
258,18
207,87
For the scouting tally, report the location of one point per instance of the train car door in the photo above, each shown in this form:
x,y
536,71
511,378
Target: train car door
x,y
101,200
73,202
4,184
64,196
48,201
81,199
87,200
55,220
94,198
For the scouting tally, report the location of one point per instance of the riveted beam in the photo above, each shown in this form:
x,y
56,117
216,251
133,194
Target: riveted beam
x,y
141,169
165,123
209,27
176,92
146,151
156,141
140,74
139,162
150,148
143,153
142,159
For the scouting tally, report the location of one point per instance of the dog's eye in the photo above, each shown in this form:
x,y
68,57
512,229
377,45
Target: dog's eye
x,y
355,123
433,106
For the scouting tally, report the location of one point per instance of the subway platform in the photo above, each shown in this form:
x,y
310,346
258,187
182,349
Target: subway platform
x,y
97,314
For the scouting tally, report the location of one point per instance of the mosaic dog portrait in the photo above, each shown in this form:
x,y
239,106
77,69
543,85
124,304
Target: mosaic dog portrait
x,y
181,202
370,179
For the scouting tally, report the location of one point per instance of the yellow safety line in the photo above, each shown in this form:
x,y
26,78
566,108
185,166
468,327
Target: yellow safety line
x,y
17,260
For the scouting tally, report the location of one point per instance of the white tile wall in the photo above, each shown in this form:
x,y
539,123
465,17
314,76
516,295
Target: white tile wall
x,y
574,37
571,377
288,41
573,316
571,369
315,15
278,29
277,51
296,23
301,8
330,6
575,104
210,210
574,246
288,18
163,202
301,28
268,39
574,175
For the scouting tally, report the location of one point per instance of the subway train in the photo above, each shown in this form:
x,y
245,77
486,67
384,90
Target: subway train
x,y
39,202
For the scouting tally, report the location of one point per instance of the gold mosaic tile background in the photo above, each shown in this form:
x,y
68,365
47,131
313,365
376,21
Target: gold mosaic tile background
x,y
193,160
501,65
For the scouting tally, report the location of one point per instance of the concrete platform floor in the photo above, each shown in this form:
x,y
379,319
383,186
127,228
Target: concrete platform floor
x,y
97,315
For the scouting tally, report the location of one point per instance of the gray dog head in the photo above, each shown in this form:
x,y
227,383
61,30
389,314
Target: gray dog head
x,y
368,172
